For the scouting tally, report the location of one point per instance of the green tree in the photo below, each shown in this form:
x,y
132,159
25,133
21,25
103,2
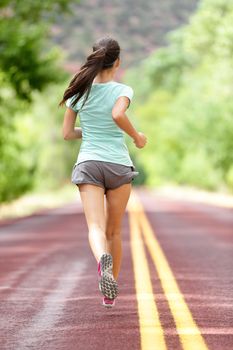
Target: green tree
x,y
26,66
191,130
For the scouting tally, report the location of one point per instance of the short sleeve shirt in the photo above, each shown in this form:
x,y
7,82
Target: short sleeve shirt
x,y
102,139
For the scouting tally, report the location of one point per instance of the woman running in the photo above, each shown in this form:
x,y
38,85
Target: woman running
x,y
103,166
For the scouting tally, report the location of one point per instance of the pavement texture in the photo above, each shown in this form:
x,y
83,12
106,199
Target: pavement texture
x,y
175,283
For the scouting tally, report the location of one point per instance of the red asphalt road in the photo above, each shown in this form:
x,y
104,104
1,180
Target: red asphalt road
x,y
49,296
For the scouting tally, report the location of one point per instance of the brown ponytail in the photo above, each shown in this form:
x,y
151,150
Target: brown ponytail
x,y
105,51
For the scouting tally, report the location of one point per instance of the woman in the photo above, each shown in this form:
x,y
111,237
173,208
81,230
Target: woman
x,y
103,166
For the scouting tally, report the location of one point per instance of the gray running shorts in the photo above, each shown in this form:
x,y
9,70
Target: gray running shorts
x,y
108,175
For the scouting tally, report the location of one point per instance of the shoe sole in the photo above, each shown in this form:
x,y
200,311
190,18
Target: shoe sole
x,y
107,284
108,305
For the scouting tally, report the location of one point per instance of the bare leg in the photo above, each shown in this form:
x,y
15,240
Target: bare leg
x,y
116,201
92,197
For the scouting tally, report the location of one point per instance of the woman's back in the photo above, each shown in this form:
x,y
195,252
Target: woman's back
x,y
102,139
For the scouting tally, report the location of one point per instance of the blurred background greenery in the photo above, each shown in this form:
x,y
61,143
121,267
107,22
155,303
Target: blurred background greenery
x,y
177,56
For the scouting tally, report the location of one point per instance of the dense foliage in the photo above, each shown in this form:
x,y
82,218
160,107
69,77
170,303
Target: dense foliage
x,y
26,66
185,102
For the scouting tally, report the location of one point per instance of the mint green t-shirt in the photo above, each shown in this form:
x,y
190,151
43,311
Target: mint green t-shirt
x,y
102,139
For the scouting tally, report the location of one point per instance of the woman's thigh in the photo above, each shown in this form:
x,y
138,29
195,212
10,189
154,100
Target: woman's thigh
x,y
116,202
92,197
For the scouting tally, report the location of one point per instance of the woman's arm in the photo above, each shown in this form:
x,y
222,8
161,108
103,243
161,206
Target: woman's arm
x,y
69,131
121,119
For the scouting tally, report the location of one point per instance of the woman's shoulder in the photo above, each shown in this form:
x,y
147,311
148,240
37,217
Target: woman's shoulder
x,y
122,89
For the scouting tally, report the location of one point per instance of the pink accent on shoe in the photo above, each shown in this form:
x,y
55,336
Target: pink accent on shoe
x,y
108,302
99,270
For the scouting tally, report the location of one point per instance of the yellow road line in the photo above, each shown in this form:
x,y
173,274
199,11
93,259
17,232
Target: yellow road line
x,y
151,332
188,331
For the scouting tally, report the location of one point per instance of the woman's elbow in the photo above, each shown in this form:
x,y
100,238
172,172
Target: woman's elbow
x,y
66,135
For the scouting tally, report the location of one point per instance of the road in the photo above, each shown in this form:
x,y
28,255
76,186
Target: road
x,y
175,284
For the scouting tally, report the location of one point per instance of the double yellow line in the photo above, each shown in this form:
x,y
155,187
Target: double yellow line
x,y
151,331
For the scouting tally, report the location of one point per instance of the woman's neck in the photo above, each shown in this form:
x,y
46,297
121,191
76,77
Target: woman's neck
x,y
104,77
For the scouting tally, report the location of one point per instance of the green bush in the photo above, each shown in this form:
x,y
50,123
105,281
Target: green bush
x,y
185,104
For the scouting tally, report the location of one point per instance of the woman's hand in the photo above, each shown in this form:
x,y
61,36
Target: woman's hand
x,y
140,140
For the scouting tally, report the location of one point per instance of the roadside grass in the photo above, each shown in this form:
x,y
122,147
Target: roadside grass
x,y
37,200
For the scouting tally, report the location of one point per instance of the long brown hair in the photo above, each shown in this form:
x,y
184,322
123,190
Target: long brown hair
x,y
105,52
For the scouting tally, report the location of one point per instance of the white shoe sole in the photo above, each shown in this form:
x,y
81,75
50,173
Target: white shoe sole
x,y
107,284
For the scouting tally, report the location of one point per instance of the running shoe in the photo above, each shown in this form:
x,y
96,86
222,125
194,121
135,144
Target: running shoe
x,y
108,302
107,284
